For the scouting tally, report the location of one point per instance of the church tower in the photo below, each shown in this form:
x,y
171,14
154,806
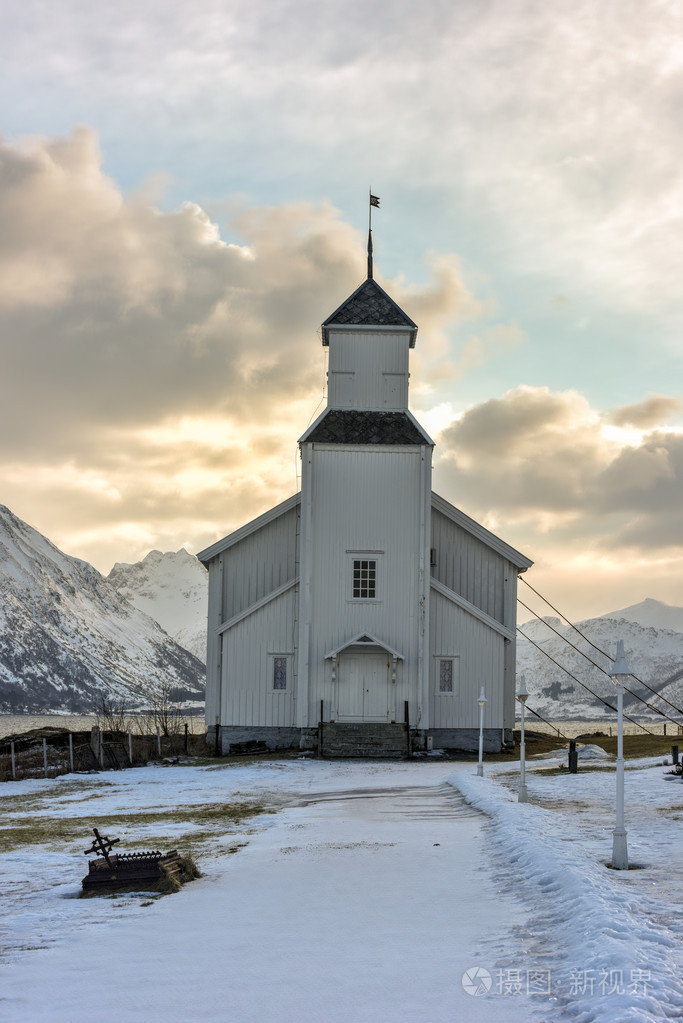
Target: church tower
x,y
365,526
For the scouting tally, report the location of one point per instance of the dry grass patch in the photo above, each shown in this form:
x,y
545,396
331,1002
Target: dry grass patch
x,y
634,745
208,819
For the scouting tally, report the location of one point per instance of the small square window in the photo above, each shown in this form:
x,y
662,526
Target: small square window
x,y
446,675
279,673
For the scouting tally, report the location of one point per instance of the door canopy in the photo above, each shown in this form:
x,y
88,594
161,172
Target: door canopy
x,y
365,639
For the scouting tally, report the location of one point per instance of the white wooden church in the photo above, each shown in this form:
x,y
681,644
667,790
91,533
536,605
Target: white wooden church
x,y
362,615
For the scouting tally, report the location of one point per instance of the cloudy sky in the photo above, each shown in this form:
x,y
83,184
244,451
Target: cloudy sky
x,y
183,200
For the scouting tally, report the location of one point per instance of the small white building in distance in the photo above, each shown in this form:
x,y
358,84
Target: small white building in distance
x,y
362,616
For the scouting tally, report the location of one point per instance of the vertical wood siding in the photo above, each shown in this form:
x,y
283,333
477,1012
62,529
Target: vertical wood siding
x,y
368,370
260,564
511,647
481,651
469,567
248,697
365,500
213,641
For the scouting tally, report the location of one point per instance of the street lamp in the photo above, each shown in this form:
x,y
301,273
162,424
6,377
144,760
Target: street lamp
x,y
522,696
482,703
619,672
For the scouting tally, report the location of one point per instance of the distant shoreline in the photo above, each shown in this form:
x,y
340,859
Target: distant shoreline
x,y
13,724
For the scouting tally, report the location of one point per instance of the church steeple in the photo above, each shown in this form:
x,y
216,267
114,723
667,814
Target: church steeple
x,y
369,306
374,201
369,338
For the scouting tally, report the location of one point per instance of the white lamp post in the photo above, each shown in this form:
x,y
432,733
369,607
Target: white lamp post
x,y
482,703
619,673
522,696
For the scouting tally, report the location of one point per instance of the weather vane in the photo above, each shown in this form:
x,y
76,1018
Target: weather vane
x,y
374,201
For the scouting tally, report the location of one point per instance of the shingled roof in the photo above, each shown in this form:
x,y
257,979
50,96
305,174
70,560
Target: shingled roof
x,y
359,426
369,306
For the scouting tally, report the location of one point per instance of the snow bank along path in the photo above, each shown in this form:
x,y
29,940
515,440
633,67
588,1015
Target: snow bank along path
x,y
611,941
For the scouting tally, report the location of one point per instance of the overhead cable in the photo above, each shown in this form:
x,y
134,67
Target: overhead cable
x,y
600,651
655,710
583,684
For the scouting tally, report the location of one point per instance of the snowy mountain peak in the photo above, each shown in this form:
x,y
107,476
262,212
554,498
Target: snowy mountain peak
x,y
172,588
67,635
540,628
155,558
653,613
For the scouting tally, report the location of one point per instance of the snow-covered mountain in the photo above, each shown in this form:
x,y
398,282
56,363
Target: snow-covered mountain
x,y
652,613
654,653
172,588
67,635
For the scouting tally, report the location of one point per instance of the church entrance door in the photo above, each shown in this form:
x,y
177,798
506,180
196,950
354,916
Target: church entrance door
x,y
363,687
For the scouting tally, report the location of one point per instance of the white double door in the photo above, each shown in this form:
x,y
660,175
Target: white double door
x,y
364,687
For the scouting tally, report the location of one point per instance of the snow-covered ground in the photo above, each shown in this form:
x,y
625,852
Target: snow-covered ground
x,y
399,891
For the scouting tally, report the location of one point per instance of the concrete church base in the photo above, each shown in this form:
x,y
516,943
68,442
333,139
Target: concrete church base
x,y
467,739
291,737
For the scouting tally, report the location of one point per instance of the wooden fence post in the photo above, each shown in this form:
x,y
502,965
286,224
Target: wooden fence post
x,y
71,751
159,740
130,748
45,757
14,765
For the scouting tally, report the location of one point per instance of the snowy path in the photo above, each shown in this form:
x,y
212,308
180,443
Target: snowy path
x,y
352,905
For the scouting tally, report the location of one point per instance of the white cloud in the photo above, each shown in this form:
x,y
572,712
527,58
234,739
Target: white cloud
x,y
156,382
652,411
558,123
546,464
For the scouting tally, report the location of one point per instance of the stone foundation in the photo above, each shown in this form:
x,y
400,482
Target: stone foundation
x,y
309,739
467,739
291,737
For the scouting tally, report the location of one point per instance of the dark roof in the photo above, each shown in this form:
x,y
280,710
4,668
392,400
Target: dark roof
x,y
358,426
369,306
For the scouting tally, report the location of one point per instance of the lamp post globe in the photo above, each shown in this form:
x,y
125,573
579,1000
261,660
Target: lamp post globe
x,y
619,672
482,703
522,696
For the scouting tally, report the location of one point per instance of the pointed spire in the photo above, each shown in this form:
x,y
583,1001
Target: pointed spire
x,y
374,201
